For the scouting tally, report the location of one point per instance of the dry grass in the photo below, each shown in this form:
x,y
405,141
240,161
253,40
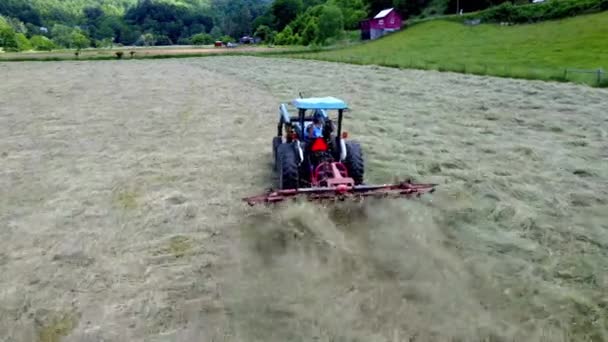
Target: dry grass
x,y
121,218
138,52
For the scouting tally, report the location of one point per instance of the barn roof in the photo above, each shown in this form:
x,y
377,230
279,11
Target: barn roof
x,y
320,103
383,13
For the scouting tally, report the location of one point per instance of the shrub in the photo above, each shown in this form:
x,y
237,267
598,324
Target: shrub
x,y
507,12
184,41
42,43
163,40
263,32
201,39
8,40
285,37
23,44
296,39
119,54
146,39
79,40
331,23
227,39
311,32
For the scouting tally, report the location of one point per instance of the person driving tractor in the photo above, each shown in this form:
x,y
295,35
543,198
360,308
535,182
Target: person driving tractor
x,y
314,133
315,129
321,126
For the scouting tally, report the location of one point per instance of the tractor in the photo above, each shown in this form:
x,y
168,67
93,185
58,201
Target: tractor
x,y
314,158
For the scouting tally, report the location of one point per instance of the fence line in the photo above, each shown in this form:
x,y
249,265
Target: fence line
x,y
599,72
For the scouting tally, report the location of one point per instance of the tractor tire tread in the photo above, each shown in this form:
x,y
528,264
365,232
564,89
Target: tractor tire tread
x,y
276,142
354,162
287,166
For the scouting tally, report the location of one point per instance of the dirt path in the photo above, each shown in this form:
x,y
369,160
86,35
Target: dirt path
x,y
121,218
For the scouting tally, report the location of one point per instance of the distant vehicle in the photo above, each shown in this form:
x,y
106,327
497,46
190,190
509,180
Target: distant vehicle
x,y
537,1
247,40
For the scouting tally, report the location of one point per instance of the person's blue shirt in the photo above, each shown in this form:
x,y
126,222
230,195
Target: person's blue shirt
x,y
317,132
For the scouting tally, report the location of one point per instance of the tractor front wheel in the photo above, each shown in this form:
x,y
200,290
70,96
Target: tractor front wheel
x,y
287,166
354,162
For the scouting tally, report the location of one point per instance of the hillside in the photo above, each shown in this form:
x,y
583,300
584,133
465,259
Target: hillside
x,y
102,23
68,11
541,50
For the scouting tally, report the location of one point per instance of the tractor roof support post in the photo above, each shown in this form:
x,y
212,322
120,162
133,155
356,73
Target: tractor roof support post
x,y
301,113
339,137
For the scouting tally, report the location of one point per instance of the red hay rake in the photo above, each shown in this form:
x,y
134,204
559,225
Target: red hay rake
x,y
331,183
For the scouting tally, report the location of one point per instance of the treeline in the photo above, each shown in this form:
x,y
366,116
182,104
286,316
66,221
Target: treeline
x,y
549,10
50,24
306,22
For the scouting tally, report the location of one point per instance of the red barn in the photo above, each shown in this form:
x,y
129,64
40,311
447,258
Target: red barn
x,y
385,21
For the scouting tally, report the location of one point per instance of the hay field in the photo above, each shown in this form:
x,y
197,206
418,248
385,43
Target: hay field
x,y
121,220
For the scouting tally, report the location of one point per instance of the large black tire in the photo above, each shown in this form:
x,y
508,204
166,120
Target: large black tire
x,y
354,162
276,141
287,166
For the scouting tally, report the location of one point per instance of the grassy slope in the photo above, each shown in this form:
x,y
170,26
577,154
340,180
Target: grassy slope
x,y
532,51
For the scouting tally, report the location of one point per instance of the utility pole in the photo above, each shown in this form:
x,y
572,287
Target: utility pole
x,y
457,6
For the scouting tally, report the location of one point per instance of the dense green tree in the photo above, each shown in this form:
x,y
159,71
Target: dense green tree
x,y
23,44
227,39
311,31
92,14
8,42
410,7
78,40
201,39
331,23
126,20
42,43
284,11
375,6
234,17
263,32
264,20
284,37
353,12
162,40
22,10
61,35
216,32
146,39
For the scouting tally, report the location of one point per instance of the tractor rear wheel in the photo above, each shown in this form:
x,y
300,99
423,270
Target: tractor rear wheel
x,y
287,166
276,141
354,162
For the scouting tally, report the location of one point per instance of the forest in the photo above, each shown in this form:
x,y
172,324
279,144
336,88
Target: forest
x,y
77,24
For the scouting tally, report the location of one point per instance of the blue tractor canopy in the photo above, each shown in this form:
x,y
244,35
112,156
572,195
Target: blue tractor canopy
x,y
323,103
307,109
